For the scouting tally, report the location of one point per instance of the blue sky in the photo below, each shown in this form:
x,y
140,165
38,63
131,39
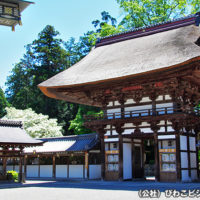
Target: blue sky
x,y
71,18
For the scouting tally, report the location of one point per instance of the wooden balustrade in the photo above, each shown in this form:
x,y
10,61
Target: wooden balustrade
x,y
142,113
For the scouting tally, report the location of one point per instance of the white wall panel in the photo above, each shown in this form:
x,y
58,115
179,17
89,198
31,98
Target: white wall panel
x,y
75,171
61,171
194,175
170,129
166,137
9,167
145,99
32,171
183,142
193,160
128,131
167,97
161,130
184,160
159,98
192,144
127,161
46,171
146,130
185,175
129,101
94,171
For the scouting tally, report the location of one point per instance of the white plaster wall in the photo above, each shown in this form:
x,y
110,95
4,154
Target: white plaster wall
x,y
185,175
32,171
159,98
116,103
127,161
193,160
183,142
145,99
161,130
162,105
17,168
106,146
128,125
111,140
144,107
166,137
110,104
184,160
128,131
75,171
111,111
167,97
94,171
169,129
129,101
194,175
46,171
146,130
192,144
9,167
61,171
107,133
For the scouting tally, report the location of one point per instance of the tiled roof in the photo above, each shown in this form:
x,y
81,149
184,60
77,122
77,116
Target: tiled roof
x,y
66,144
11,132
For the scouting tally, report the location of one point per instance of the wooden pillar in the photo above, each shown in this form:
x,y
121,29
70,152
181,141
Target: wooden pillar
x,y
102,156
120,157
25,166
188,153
20,176
38,166
133,159
119,130
54,166
68,159
143,151
178,158
197,156
86,168
156,154
4,165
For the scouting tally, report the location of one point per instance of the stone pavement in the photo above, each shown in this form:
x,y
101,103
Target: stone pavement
x,y
93,190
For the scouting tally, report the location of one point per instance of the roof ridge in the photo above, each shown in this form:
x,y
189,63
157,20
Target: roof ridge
x,y
68,136
195,18
11,123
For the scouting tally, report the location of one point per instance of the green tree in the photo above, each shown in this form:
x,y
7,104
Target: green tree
x,y
138,13
44,57
3,103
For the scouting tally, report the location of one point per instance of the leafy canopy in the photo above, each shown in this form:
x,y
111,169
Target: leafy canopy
x,y
138,13
36,125
3,103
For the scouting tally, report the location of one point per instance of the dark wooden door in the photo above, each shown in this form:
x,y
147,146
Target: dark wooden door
x,y
138,169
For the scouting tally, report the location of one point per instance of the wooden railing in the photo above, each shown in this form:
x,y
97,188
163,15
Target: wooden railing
x,y
141,113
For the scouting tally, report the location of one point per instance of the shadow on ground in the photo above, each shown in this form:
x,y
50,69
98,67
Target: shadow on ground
x,y
104,185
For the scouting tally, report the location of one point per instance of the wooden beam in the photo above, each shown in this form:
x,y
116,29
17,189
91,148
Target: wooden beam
x,y
178,158
54,166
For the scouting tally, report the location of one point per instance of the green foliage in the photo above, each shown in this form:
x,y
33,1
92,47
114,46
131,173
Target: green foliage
x,y
14,175
77,124
3,103
138,13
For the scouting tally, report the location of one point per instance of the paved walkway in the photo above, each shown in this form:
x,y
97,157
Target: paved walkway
x,y
96,190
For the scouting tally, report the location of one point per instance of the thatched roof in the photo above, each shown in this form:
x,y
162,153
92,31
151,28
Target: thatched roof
x,y
154,52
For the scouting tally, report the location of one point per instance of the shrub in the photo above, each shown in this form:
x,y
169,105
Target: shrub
x,y
13,174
